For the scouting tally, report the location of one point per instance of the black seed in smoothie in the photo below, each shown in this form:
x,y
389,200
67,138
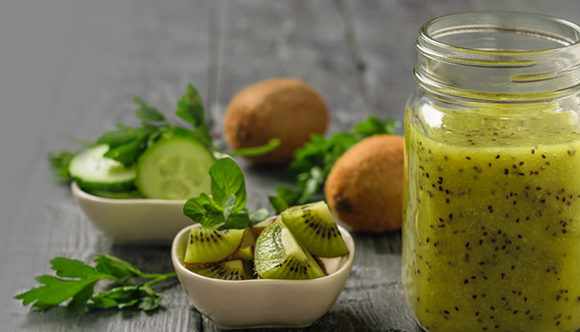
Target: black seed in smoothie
x,y
506,171
490,208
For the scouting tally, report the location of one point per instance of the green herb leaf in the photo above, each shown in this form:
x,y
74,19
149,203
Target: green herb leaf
x,y
59,163
191,110
75,281
148,114
260,215
312,163
272,145
227,179
72,268
226,206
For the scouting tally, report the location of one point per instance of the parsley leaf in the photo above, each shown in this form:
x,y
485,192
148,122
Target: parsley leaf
x,y
59,162
226,205
190,109
75,281
148,114
312,163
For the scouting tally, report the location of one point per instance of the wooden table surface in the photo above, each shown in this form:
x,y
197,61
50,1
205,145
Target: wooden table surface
x,y
69,68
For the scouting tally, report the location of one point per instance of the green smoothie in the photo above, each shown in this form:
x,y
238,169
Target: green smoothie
x,y
492,224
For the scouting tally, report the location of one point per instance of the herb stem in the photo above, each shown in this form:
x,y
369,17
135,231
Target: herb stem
x,y
159,278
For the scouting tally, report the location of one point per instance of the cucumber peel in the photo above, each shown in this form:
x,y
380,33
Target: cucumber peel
x,y
94,172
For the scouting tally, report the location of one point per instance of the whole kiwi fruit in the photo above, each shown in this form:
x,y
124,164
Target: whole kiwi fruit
x,y
365,186
283,108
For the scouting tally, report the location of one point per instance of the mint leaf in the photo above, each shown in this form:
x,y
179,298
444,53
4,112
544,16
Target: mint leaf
x,y
204,210
226,207
227,179
260,215
229,205
238,220
272,145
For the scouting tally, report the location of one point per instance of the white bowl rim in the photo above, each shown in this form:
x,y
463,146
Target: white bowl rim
x,y
77,191
179,265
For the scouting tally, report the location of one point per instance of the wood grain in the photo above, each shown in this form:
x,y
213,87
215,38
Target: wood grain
x,y
70,68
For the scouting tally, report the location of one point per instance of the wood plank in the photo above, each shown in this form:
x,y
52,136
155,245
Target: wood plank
x,y
118,49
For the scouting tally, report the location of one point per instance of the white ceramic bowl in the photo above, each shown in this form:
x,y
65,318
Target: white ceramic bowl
x,y
260,302
133,221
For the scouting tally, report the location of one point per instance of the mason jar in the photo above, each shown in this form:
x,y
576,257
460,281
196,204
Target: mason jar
x,y
491,234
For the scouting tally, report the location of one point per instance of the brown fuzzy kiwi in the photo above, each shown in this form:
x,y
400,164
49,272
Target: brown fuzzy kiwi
x,y
283,108
365,186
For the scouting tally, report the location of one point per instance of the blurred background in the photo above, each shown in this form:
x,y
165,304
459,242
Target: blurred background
x,y
71,67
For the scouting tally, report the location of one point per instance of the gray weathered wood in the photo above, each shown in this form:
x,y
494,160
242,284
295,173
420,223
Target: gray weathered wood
x,y
70,68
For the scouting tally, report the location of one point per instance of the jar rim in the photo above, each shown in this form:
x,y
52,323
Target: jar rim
x,y
499,55
427,34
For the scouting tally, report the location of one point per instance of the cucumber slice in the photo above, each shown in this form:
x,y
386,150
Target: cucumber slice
x,y
93,172
176,167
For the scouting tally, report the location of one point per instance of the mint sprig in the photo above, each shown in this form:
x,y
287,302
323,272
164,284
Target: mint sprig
x,y
75,282
226,205
312,163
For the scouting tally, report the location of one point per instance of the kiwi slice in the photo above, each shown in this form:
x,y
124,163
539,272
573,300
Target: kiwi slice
x,y
227,270
259,227
314,227
210,245
245,253
279,256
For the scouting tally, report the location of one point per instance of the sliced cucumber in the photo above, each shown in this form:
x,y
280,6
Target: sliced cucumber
x,y
176,167
93,172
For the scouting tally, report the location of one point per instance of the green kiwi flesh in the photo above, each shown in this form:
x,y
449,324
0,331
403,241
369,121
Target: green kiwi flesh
x,y
227,270
211,245
279,256
314,227
259,227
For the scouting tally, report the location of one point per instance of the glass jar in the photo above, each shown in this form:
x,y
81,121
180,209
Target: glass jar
x,y
491,234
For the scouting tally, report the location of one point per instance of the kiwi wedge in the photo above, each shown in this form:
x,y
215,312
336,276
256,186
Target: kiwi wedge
x,y
259,227
279,256
314,227
227,270
210,245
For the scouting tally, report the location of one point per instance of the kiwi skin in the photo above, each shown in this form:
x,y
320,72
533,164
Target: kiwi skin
x,y
365,186
283,108
227,270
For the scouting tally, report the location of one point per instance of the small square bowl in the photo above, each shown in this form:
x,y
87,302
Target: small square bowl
x,y
261,303
133,221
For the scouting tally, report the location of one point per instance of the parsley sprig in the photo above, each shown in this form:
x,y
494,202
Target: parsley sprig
x,y
76,281
226,205
127,143
312,163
